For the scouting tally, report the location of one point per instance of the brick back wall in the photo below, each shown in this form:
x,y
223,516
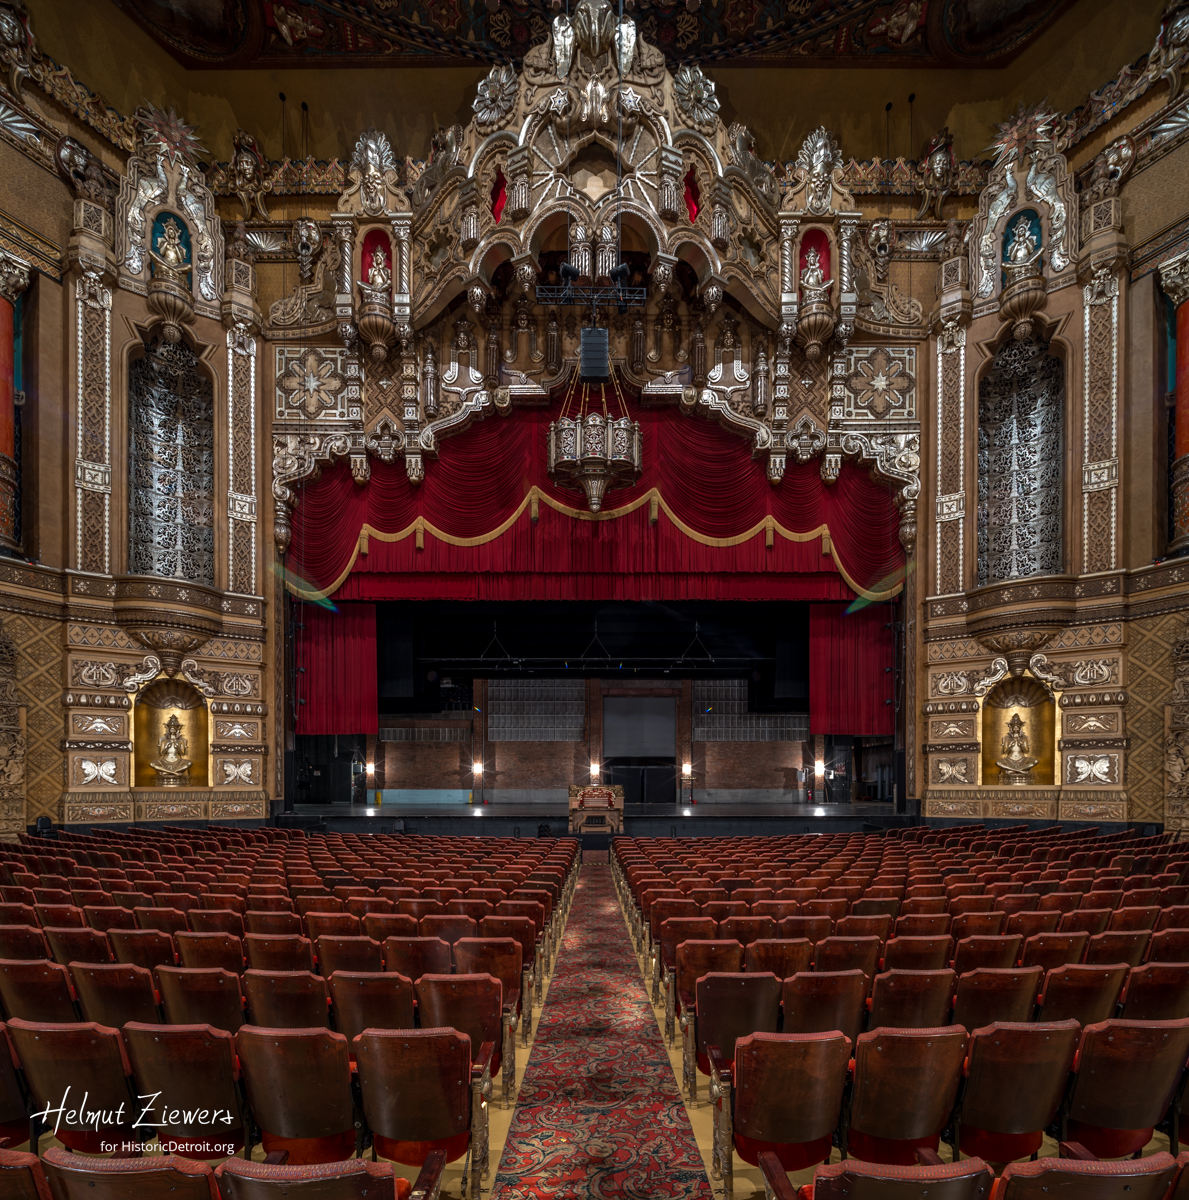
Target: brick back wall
x,y
746,764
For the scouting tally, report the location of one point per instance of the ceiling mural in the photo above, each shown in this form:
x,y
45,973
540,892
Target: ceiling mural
x,y
329,33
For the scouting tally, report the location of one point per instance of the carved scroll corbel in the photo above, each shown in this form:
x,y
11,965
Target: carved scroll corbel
x,y
998,670
896,458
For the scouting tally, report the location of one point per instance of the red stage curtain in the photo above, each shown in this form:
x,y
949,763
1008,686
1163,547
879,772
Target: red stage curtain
x,y
715,514
338,685
850,656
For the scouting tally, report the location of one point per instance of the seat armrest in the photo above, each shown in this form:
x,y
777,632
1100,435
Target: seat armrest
x,y
718,1065
1076,1150
429,1178
482,1064
774,1176
927,1157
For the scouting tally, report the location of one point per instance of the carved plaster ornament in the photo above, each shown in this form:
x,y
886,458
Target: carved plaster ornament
x,y
818,158
939,170
880,239
373,170
16,39
1167,58
954,242
307,238
83,172
563,45
249,174
694,94
741,151
496,95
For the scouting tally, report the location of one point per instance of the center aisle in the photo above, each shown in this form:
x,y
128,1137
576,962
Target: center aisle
x,y
599,1113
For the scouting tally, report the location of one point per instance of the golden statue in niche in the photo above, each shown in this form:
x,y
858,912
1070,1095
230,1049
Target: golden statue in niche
x,y
169,257
1016,765
170,727
1019,734
379,277
172,748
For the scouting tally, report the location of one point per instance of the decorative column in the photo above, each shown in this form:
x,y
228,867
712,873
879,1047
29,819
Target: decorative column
x,y
14,278
950,528
1100,421
1174,278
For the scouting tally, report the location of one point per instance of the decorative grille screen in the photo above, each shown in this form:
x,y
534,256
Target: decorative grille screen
x,y
171,469
1020,453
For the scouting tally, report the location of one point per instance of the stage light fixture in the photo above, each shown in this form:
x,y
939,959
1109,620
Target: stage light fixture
x,y
819,768
567,272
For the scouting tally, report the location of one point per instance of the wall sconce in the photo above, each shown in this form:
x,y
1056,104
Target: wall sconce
x,y
687,769
478,769
594,770
371,768
819,768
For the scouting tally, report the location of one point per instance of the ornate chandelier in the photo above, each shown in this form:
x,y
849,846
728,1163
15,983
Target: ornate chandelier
x,y
593,450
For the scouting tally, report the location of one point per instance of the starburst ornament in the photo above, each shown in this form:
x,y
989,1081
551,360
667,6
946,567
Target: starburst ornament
x,y
168,134
1023,131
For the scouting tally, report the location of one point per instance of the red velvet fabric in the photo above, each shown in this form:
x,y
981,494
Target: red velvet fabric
x,y
704,475
850,654
335,656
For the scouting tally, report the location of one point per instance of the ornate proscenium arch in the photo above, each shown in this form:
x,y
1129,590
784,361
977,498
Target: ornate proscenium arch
x,y
595,154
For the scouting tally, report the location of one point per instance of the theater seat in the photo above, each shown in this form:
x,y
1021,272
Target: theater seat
x,y
783,1095
905,1083
1016,1076
73,1178
299,1087
423,1091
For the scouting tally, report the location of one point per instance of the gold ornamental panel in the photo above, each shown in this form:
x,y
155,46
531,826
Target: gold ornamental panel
x,y
157,741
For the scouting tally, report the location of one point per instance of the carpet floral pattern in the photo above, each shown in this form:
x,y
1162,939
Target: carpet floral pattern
x,y
599,1114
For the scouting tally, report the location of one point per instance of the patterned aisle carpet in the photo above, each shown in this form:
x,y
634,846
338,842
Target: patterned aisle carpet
x,y
599,1113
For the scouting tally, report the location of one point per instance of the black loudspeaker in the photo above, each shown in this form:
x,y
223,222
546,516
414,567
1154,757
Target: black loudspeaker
x,y
596,350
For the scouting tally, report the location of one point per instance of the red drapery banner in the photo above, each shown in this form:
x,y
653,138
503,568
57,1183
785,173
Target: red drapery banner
x,y
850,670
335,656
702,522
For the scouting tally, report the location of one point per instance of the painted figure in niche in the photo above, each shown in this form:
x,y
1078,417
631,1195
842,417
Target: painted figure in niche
x,y
169,256
1023,248
172,747
378,276
1016,762
813,278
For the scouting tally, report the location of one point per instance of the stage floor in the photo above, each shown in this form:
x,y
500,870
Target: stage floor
x,y
640,820
547,811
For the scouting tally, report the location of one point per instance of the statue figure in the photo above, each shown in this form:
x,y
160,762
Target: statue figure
x,y
813,278
379,278
939,172
170,256
248,174
171,763
1016,765
1023,249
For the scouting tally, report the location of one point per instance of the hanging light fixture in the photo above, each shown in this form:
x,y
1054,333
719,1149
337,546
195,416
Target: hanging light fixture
x,y
593,450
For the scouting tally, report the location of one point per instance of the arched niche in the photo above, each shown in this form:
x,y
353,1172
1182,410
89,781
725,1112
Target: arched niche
x,y
156,741
815,240
376,260
1021,457
1019,721
171,463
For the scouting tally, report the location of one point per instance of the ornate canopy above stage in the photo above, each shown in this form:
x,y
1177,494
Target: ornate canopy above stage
x,y
702,521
